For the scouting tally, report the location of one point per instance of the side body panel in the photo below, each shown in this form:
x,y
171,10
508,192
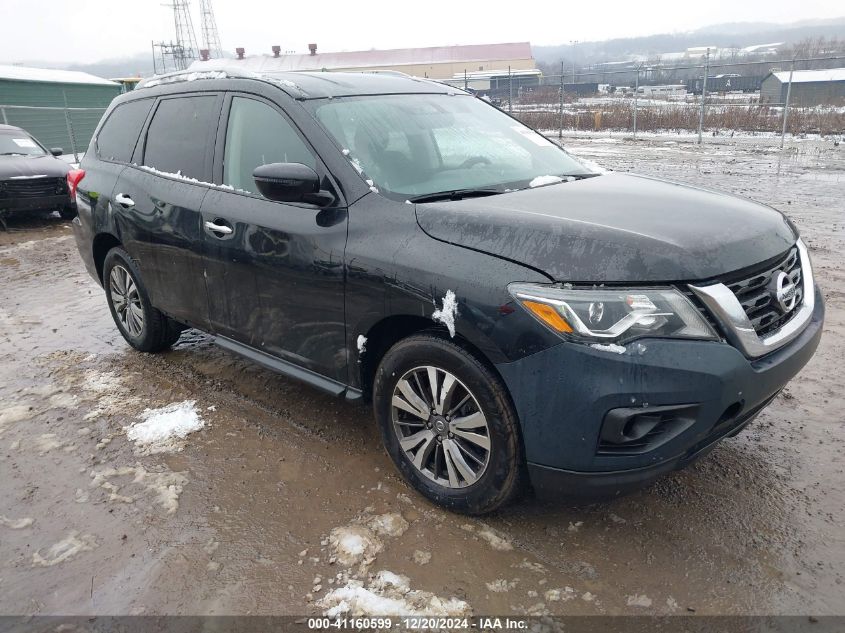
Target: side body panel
x,y
276,282
162,231
396,270
162,234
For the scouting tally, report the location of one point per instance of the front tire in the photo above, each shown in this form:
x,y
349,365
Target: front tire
x,y
144,327
447,423
68,212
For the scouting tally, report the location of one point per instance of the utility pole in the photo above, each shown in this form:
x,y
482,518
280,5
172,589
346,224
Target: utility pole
x,y
703,93
636,93
786,104
510,90
560,122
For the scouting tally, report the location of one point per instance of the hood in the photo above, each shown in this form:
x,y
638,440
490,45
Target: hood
x,y
50,166
615,228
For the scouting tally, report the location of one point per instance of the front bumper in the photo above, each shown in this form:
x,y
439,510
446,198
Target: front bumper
x,y
39,203
562,395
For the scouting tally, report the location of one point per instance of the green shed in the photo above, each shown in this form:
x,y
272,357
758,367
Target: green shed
x,y
61,108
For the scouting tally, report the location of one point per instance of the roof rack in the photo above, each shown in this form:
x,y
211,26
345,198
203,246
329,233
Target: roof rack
x,y
216,69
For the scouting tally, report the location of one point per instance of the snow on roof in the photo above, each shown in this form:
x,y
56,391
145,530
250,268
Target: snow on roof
x,y
761,47
50,75
390,57
487,74
808,76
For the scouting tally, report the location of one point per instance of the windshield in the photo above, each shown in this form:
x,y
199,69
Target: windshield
x,y
414,145
19,143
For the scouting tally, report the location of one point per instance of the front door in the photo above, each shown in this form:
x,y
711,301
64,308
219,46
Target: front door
x,y
274,271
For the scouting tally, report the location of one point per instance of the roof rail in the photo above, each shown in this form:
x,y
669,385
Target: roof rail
x,y
217,69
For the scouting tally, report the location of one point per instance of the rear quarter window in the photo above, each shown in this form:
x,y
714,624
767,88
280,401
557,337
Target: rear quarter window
x,y
180,134
119,134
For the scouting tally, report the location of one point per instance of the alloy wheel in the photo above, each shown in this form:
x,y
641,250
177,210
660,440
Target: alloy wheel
x,y
126,301
441,427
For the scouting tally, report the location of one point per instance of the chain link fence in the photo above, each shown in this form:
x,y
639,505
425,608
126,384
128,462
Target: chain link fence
x,y
707,98
54,126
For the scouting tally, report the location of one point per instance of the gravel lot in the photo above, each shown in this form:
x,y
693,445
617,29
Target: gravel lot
x,y
285,495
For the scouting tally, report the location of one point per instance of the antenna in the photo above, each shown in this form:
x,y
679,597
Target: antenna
x,y
210,35
184,50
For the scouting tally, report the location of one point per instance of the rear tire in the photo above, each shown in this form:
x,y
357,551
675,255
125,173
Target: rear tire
x,y
464,455
144,327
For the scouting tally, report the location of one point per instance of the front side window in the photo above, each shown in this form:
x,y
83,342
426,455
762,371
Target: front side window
x,y
16,143
420,144
116,140
258,134
179,135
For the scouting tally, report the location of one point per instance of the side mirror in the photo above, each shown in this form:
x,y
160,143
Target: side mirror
x,y
56,151
287,182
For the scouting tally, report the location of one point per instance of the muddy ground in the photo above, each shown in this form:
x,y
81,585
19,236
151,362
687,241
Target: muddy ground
x,y
245,518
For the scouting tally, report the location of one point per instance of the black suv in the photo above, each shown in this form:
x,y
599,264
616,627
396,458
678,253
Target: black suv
x,y
31,177
509,312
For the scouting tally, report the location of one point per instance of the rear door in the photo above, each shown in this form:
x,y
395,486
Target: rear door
x,y
275,275
111,149
159,199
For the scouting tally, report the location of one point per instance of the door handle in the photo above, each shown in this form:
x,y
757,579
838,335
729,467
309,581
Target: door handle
x,y
125,201
218,228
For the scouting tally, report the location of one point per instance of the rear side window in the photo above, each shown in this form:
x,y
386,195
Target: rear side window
x,y
258,134
116,140
179,135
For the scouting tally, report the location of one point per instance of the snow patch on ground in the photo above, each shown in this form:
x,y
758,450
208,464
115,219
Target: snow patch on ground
x,y
47,442
67,548
500,585
639,600
354,544
559,595
496,540
15,524
390,524
362,344
610,347
446,315
15,413
539,181
164,487
162,430
388,594
421,558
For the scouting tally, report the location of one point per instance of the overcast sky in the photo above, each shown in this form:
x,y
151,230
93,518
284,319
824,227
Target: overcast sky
x,y
93,30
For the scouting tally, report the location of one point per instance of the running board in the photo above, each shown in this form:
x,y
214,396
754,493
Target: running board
x,y
287,368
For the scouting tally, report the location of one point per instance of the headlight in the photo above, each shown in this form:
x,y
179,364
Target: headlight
x,y
613,314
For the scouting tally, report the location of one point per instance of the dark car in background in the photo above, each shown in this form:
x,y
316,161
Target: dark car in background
x,y
32,178
508,311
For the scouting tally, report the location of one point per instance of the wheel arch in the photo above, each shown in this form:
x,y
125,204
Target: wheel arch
x,y
385,333
102,244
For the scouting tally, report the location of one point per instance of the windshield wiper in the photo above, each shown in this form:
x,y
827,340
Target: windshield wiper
x,y
455,194
580,176
12,154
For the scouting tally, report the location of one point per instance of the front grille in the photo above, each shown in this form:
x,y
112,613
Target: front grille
x,y
33,187
753,293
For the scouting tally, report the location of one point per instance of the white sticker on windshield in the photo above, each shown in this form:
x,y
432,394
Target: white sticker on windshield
x,y
24,142
534,137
